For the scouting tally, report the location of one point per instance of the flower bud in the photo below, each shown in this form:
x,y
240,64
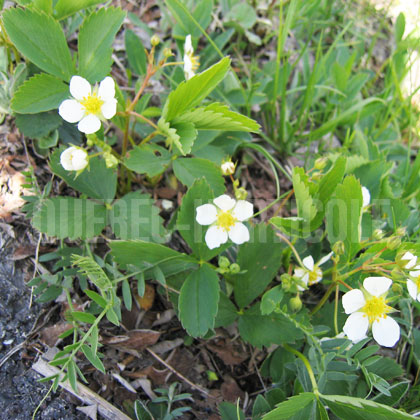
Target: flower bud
x,y
378,234
316,176
155,40
393,242
406,260
286,281
228,168
167,52
320,163
224,262
295,304
110,160
74,159
401,231
241,193
234,268
397,288
339,248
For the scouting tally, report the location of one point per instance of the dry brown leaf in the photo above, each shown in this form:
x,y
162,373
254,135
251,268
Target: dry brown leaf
x,y
133,340
231,353
230,390
49,335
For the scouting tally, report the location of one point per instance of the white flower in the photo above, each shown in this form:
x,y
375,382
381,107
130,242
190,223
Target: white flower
x,y
408,261
191,61
366,196
413,283
368,308
74,159
225,218
228,168
310,273
89,106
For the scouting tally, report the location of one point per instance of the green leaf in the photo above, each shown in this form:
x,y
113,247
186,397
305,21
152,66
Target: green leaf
x,y
149,159
70,218
83,317
351,408
137,253
344,215
399,27
136,55
96,36
40,38
93,358
218,117
227,312
198,301
264,330
305,205
243,14
271,299
126,292
40,93
111,316
66,8
259,259
229,411
397,392
187,134
191,92
135,217
36,126
260,407
72,376
200,193
292,406
43,6
187,170
96,298
326,188
97,181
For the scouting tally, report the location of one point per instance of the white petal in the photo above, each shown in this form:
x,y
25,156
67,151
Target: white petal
x,y
386,331
109,108
206,214
299,272
377,286
411,260
215,237
188,48
89,124
66,159
353,301
224,202
412,289
79,160
79,87
239,233
243,210
366,196
414,274
106,89
356,326
308,262
325,259
318,276
71,111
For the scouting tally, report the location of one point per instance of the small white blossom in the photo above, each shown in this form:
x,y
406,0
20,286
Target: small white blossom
x,y
413,283
368,309
74,159
366,196
408,261
191,61
310,273
225,218
89,106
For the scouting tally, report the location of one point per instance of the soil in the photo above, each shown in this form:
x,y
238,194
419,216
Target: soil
x,y
21,392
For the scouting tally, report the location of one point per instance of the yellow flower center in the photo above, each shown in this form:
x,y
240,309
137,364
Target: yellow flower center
x,y
376,308
195,61
92,104
225,220
314,274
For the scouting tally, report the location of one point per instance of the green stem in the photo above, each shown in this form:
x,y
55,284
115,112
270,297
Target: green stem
x,y
307,365
323,299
